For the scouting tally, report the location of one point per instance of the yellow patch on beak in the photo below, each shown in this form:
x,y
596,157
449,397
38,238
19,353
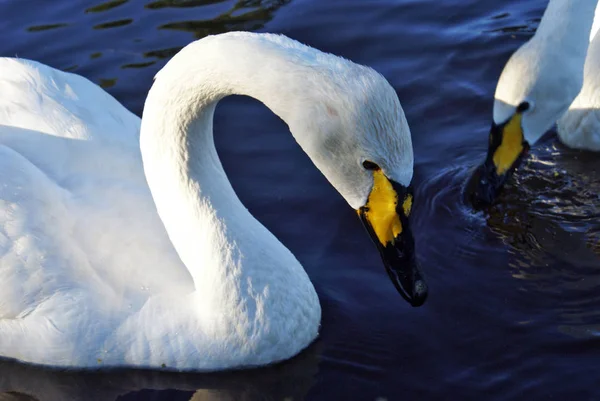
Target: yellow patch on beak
x,y
511,146
380,209
407,205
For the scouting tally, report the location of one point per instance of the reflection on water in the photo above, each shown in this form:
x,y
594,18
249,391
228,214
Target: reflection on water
x,y
234,19
113,24
41,28
290,380
529,28
109,5
184,3
244,15
554,197
104,83
549,216
220,16
523,24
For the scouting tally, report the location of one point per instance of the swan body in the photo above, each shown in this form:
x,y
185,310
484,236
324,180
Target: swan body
x,y
122,243
579,127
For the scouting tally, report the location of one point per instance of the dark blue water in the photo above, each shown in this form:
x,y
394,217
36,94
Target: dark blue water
x,y
514,306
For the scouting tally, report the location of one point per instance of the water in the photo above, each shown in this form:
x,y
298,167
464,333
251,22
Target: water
x,y
514,306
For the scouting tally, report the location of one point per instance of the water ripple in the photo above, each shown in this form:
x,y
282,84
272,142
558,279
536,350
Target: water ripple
x,y
549,218
109,5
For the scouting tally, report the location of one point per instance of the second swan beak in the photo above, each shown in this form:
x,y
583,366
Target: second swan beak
x,y
506,150
385,216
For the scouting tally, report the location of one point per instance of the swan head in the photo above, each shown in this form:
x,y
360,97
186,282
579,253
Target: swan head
x,y
353,128
535,89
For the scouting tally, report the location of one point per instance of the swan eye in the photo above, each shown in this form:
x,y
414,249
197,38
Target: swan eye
x,y
523,107
369,165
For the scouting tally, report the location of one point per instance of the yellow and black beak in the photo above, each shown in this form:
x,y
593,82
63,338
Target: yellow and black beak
x,y
385,217
506,150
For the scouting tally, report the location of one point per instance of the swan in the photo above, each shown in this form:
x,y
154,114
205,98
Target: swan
x,y
552,78
579,127
122,242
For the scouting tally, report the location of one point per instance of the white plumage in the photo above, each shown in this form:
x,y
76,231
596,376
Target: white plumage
x,y
579,127
548,73
114,257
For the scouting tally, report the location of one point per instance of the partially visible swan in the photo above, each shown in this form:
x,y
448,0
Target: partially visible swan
x,y
114,257
543,81
579,127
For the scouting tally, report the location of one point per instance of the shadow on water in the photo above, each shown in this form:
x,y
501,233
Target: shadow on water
x,y
289,380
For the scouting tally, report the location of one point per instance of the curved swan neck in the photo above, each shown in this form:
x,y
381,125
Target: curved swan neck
x,y
211,230
233,64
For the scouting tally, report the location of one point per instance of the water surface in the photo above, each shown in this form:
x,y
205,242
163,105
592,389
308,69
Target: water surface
x,y
514,306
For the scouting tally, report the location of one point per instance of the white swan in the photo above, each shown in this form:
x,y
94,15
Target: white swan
x,y
544,83
579,127
114,257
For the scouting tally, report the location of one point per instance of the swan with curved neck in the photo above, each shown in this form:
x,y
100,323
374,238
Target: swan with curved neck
x,y
100,269
538,85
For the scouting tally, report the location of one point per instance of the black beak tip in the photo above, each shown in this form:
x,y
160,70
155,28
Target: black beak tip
x,y
481,198
420,292
481,190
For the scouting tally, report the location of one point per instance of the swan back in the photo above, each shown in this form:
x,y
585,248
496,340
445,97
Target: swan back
x,y
579,127
59,101
79,234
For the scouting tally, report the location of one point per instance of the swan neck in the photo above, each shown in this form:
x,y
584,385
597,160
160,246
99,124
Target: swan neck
x,y
209,227
567,23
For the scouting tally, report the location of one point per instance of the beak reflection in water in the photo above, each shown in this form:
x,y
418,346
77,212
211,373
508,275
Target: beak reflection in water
x,y
385,217
506,150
